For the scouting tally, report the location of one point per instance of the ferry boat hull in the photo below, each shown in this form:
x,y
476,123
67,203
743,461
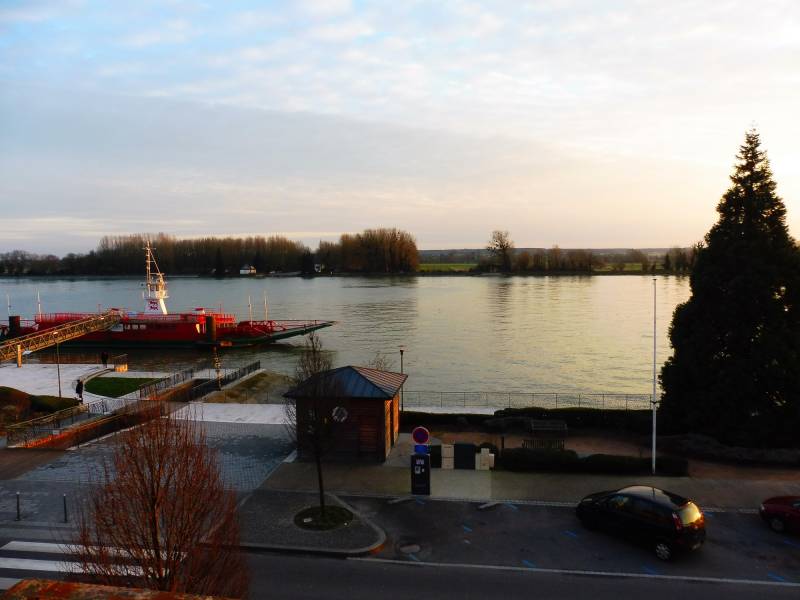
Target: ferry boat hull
x,y
155,326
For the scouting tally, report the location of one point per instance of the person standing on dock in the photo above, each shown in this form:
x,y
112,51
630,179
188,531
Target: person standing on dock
x,y
79,389
104,359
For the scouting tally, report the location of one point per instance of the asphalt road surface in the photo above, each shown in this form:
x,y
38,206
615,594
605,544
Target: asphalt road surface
x,y
281,576
738,546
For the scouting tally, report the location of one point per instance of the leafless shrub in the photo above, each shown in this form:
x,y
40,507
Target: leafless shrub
x,y
160,517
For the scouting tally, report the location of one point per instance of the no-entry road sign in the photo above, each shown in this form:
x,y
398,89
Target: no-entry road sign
x,y
420,435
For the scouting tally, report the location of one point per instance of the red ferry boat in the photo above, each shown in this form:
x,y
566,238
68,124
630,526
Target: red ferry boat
x,y
155,326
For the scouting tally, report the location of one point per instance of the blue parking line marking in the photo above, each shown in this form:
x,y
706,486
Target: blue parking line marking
x,y
414,557
649,570
467,529
570,533
512,506
418,501
791,543
775,577
528,563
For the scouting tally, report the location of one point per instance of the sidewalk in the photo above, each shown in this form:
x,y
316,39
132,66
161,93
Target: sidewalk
x,y
508,486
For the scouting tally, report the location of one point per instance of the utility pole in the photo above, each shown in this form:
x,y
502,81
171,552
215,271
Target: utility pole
x,y
58,366
653,399
402,349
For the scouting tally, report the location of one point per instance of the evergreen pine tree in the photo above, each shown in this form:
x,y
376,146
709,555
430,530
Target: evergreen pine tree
x,y
735,372
667,263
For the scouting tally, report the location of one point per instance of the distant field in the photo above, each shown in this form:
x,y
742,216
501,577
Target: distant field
x,y
446,267
631,266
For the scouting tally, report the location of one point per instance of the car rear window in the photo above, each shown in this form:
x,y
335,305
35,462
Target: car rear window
x,y
689,513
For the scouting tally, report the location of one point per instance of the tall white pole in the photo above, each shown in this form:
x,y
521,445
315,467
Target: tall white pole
x,y
653,399
250,306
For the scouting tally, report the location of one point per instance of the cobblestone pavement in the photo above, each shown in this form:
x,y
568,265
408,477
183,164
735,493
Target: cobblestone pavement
x,y
247,454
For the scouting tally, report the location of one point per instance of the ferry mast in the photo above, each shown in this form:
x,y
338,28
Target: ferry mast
x,y
156,287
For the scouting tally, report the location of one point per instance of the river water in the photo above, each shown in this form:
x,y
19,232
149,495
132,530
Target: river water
x,y
488,333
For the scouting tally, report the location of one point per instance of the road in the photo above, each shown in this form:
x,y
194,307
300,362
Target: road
x,y
440,549
738,546
280,576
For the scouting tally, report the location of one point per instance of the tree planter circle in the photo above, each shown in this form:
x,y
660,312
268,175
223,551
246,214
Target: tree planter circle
x,y
312,518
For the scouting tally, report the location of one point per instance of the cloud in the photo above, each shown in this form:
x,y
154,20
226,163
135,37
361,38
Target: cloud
x,y
176,31
323,9
34,12
341,32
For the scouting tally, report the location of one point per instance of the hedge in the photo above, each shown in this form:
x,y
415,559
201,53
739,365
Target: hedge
x,y
567,461
528,459
514,419
50,404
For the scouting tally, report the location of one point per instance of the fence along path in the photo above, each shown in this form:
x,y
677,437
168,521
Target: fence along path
x,y
523,400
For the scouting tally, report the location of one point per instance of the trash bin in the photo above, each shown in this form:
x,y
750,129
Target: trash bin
x,y
464,456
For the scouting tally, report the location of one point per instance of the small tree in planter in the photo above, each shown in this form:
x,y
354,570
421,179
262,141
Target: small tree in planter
x,y
311,428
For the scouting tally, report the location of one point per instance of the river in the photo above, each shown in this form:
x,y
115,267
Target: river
x,y
489,333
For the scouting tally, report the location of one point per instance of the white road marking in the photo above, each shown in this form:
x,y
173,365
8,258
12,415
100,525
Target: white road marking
x,y
36,547
49,548
8,582
691,578
29,564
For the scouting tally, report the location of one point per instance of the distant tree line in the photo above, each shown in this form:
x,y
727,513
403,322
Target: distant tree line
x,y
500,255
372,251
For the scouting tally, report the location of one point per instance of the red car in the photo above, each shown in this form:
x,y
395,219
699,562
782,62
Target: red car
x,y
782,513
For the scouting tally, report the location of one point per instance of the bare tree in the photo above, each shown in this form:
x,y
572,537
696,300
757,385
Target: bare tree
x,y
311,427
501,247
160,517
381,361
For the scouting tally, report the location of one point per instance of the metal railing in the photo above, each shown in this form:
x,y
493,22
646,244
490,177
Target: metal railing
x,y
9,349
213,385
150,390
28,430
413,399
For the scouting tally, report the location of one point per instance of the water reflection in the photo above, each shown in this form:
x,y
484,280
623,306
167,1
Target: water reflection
x,y
527,334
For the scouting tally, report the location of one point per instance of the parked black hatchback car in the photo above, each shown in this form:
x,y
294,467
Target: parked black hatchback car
x,y
665,522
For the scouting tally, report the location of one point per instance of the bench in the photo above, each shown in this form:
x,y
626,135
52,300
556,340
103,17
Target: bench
x,y
548,434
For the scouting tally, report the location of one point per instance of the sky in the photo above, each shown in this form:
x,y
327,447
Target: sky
x,y
577,123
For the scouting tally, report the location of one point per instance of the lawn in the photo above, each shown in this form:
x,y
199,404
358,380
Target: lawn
x,y
446,267
114,387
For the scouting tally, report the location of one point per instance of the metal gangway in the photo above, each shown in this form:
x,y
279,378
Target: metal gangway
x,y
14,348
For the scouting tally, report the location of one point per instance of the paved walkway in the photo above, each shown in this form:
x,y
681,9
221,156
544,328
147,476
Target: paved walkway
x,y
267,523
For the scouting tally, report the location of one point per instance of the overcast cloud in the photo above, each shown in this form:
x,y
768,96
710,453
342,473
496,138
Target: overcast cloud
x,y
578,123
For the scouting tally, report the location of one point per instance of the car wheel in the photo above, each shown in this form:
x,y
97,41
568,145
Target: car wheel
x,y
663,550
777,524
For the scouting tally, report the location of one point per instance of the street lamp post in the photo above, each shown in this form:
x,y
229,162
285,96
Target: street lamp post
x,y
653,398
58,365
402,349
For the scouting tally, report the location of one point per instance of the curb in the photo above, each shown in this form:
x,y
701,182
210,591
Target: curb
x,y
486,503
323,550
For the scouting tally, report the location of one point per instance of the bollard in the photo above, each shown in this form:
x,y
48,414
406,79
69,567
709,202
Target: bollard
x,y
65,508
18,515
